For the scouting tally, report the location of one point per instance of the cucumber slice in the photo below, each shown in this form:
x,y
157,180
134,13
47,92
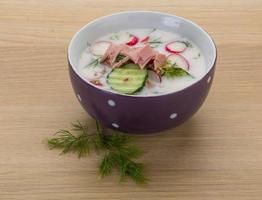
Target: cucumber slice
x,y
127,80
131,66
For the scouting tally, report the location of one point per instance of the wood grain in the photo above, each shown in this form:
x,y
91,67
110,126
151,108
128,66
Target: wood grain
x,y
215,155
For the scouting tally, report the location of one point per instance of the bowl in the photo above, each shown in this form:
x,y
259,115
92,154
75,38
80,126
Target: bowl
x,y
141,114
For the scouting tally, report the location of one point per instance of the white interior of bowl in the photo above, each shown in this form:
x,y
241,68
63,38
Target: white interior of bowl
x,y
141,19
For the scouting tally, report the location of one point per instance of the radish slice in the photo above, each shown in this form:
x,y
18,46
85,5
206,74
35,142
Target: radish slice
x,y
179,60
176,47
99,48
145,39
134,40
154,77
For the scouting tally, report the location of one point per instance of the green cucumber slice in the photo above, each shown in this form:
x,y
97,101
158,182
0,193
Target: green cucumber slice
x,y
127,80
130,66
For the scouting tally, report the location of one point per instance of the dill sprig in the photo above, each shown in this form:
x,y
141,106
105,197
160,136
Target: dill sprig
x,y
121,159
187,43
118,153
114,37
94,62
155,42
172,70
198,56
152,30
119,57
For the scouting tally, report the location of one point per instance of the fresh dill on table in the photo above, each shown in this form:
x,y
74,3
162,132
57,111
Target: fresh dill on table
x,y
115,149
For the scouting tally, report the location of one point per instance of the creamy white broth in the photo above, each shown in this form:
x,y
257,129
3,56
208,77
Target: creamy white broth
x,y
168,85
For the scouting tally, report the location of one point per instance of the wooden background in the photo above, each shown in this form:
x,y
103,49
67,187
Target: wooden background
x,y
215,155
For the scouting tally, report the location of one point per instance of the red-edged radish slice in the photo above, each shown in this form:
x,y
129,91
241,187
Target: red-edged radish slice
x,y
145,39
176,47
179,60
99,48
133,41
154,77
96,82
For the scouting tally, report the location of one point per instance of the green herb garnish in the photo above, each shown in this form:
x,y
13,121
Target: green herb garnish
x,y
114,37
120,57
153,30
198,56
155,42
187,43
175,71
172,70
115,148
94,62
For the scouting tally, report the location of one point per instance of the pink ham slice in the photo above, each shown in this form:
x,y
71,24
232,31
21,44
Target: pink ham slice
x,y
108,51
111,53
140,55
145,54
132,53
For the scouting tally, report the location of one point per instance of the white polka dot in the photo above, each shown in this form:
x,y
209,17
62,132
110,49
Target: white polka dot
x,y
173,116
79,97
209,79
111,102
115,125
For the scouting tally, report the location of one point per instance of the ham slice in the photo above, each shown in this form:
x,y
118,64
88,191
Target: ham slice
x,y
108,51
132,53
140,55
111,53
145,54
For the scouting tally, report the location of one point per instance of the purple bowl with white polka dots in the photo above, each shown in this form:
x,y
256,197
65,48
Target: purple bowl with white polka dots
x,y
141,114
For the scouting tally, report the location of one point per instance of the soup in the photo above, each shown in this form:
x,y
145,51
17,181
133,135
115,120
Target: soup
x,y
142,62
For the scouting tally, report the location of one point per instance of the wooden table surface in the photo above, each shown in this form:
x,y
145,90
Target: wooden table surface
x,y
216,155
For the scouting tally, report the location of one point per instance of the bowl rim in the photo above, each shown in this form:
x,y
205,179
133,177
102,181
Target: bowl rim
x,y
134,12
